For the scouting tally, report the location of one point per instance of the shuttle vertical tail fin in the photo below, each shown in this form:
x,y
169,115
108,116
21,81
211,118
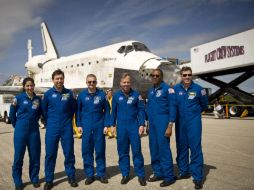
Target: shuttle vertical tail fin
x,y
48,43
29,49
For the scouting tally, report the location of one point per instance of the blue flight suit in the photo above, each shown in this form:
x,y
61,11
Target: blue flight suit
x,y
24,115
158,115
58,110
186,111
92,116
129,114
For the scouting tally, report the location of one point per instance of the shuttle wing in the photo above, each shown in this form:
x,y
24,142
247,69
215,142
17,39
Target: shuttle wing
x,y
18,89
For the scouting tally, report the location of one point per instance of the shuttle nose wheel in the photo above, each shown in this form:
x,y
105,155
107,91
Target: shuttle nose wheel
x,y
235,111
6,119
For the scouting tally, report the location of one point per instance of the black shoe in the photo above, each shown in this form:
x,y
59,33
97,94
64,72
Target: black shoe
x,y
185,176
155,178
198,184
73,182
89,180
19,187
142,181
125,180
48,186
102,179
166,183
36,185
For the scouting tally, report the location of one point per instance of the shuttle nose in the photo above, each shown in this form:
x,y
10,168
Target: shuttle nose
x,y
147,67
171,72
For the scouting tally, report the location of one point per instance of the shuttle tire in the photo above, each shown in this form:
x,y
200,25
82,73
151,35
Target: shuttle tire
x,y
6,119
235,111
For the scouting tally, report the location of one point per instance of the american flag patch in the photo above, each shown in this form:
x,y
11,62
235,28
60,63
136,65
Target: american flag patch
x,y
203,92
171,91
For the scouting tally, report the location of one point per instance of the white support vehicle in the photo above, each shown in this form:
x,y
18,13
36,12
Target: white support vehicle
x,y
230,55
5,102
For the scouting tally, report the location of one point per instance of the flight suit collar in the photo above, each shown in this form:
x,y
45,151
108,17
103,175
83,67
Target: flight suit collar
x,y
96,92
24,94
160,86
190,87
131,92
63,91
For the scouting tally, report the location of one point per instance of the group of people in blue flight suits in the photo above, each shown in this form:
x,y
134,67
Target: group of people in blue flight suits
x,y
165,105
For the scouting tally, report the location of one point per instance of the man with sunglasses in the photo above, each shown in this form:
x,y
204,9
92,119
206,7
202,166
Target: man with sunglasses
x,y
158,116
189,101
92,116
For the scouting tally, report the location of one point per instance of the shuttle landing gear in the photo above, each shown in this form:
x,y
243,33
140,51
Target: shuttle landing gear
x,y
6,118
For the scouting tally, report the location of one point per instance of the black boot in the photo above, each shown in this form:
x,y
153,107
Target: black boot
x,y
48,186
73,182
198,184
142,181
125,180
89,180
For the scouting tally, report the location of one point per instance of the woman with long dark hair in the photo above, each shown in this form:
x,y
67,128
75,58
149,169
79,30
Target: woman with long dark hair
x,y
25,112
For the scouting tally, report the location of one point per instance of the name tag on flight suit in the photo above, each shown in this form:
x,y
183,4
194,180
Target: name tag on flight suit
x,y
130,100
192,95
96,100
35,104
65,97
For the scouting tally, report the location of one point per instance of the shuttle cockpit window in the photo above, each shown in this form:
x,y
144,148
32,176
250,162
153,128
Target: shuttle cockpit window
x,y
121,49
129,49
140,47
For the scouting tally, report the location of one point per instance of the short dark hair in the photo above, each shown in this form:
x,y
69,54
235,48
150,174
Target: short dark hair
x,y
57,72
161,72
185,68
26,80
91,75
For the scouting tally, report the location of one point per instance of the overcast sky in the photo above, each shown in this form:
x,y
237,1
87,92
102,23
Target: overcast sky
x,y
168,27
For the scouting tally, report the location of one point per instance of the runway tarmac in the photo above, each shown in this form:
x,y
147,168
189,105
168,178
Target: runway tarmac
x,y
228,147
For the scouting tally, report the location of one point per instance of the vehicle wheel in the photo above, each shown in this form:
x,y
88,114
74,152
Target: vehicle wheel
x,y
235,111
7,119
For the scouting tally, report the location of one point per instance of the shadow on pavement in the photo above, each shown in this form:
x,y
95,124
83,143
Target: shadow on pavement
x,y
6,132
206,170
112,171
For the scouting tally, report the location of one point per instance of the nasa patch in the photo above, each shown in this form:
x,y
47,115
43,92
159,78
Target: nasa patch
x,y
203,92
25,102
54,95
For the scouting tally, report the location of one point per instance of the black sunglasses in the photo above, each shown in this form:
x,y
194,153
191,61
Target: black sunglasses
x,y
155,76
185,75
92,82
